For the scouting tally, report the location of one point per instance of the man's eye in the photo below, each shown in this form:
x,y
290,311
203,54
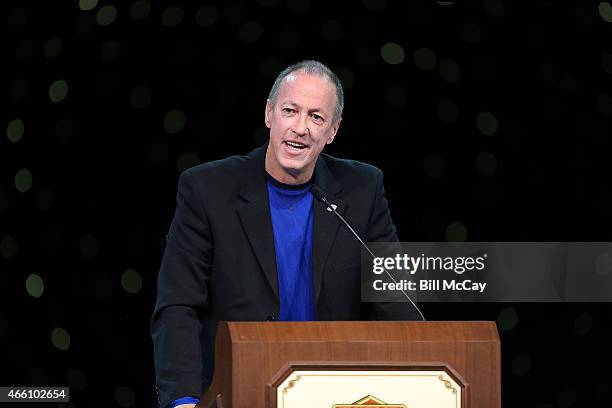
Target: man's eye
x,y
288,110
317,117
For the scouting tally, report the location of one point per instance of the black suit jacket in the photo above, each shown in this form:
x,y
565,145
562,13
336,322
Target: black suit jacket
x,y
219,262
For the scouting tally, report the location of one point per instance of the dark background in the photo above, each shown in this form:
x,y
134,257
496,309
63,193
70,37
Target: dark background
x,y
491,121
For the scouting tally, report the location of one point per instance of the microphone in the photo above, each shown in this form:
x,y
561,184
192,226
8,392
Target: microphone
x,y
320,195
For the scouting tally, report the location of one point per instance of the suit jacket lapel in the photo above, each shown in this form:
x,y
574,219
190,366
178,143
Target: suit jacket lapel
x,y
325,223
255,216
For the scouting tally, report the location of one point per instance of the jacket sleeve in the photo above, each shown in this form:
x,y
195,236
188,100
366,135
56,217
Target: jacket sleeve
x,y
381,229
182,297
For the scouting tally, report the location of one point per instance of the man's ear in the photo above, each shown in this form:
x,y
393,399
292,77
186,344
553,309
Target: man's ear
x,y
334,130
268,113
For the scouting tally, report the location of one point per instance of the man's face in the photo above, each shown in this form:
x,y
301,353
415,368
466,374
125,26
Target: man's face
x,y
301,123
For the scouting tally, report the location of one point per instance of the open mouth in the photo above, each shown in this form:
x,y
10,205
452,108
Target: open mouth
x,y
295,145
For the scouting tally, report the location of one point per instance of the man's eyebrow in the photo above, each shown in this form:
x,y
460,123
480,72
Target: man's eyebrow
x,y
293,104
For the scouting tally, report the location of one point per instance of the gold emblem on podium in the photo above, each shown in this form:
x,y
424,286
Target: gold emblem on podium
x,y
369,402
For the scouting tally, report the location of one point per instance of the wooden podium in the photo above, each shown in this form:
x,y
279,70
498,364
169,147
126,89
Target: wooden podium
x,y
335,364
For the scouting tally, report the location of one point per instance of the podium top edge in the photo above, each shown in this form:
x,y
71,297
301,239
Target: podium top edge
x,y
352,331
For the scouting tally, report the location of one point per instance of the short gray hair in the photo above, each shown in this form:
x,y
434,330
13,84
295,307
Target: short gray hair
x,y
311,67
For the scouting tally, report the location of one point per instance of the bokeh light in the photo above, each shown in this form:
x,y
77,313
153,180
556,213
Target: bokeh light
x,y
60,338
486,163
605,11
449,71
456,232
23,180
487,123
187,160
495,8
14,130
18,18
425,59
89,246
58,90
131,282
174,121
34,285
106,15
172,16
206,16
140,9
392,53
140,97
87,5
8,247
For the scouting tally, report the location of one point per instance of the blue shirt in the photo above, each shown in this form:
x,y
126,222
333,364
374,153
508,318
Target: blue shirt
x,y
184,400
291,210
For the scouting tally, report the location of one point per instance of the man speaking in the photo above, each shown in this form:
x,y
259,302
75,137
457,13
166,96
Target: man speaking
x,y
249,241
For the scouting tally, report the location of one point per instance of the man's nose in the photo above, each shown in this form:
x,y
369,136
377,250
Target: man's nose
x,y
300,127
